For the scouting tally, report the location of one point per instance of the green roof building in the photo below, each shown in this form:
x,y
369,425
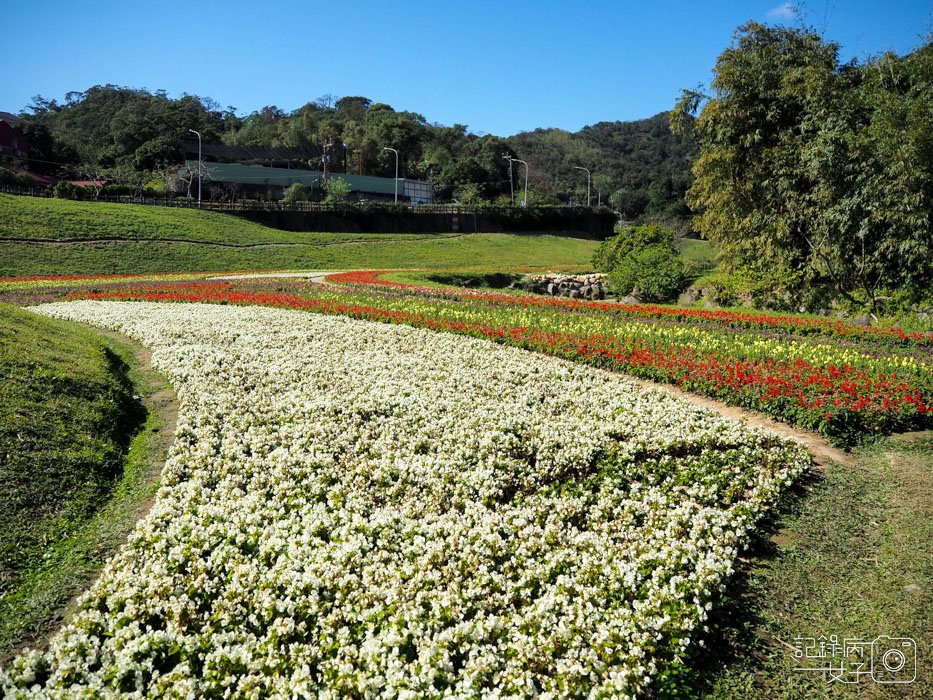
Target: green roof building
x,y
271,182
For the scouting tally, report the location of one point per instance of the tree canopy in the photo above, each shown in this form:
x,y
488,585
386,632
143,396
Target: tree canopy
x,y
815,173
638,167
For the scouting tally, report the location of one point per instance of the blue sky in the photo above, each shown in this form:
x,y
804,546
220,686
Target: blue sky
x,y
498,67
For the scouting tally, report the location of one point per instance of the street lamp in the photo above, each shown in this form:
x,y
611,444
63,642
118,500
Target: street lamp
x,y
511,178
386,148
199,163
525,200
577,167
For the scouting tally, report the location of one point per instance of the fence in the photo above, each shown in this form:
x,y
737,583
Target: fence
x,y
384,217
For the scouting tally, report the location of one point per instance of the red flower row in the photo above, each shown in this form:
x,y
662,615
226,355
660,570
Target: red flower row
x,y
785,323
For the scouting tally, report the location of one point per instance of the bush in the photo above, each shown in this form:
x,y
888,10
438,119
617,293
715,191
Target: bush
x,y
337,190
629,240
294,193
10,179
65,190
643,260
652,274
155,188
118,190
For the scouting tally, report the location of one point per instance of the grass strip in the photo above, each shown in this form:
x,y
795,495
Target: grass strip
x,y
83,434
849,553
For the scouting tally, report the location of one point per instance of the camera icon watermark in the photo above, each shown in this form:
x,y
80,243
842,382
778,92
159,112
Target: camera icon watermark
x,y
883,659
893,660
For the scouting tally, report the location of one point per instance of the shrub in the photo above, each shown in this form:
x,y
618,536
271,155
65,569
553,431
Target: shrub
x,y
65,190
337,190
629,240
643,259
10,179
652,274
294,193
155,188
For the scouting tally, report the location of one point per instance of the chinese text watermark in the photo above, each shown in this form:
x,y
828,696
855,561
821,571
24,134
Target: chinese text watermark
x,y
883,659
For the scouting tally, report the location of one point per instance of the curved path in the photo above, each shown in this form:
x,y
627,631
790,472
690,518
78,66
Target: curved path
x,y
223,244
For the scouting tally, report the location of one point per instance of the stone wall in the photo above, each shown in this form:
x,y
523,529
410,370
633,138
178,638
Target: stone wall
x,y
573,286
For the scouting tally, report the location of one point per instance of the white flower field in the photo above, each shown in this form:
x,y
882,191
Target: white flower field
x,y
354,509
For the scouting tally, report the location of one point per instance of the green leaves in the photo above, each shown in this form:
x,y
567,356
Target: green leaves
x,y
807,175
642,259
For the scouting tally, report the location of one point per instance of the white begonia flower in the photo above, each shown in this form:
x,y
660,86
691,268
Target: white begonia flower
x,y
352,507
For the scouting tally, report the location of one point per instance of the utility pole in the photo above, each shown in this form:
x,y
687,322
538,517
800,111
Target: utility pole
x,y
525,200
577,167
199,164
324,159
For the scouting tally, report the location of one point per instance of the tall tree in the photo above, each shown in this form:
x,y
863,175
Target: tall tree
x,y
803,176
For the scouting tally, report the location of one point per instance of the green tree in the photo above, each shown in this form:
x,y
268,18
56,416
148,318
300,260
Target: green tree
x,y
629,203
807,175
468,193
337,190
294,193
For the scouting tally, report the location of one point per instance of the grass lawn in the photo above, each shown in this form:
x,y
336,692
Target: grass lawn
x,y
72,474
41,219
49,236
697,256
850,553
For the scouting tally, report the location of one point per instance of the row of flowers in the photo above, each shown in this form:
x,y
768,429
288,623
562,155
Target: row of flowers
x,y
792,324
841,392
359,509
51,282
754,321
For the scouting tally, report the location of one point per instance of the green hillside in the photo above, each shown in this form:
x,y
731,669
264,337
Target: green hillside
x,y
59,237
70,478
38,219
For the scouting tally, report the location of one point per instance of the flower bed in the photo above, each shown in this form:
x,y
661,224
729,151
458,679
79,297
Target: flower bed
x,y
790,324
847,390
354,508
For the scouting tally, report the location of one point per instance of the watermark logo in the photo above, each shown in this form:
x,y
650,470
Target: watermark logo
x,y
882,660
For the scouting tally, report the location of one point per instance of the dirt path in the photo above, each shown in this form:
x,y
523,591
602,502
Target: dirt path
x,y
162,401
430,237
822,451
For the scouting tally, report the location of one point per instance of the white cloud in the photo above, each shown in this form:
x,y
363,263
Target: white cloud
x,y
786,10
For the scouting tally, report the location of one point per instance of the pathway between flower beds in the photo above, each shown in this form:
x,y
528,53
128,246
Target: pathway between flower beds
x,y
353,507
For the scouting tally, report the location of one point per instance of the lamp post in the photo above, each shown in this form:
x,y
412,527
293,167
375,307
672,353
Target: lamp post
x,y
577,167
386,148
199,164
525,200
324,159
511,178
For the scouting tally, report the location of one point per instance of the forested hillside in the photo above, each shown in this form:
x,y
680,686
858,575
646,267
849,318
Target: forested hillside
x,y
134,136
637,167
